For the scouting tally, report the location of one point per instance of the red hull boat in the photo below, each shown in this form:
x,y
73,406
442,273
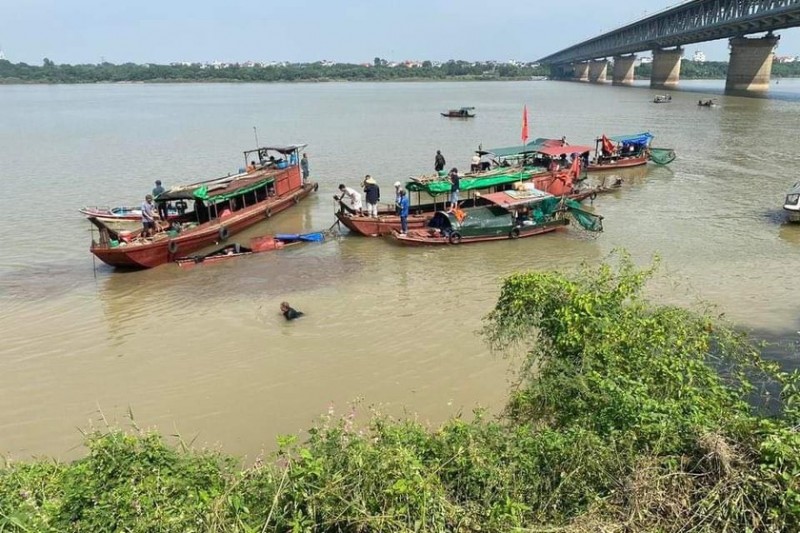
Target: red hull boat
x,y
617,163
264,192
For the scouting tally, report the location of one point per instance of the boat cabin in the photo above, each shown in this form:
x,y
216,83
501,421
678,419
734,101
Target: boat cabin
x,y
264,176
792,203
502,212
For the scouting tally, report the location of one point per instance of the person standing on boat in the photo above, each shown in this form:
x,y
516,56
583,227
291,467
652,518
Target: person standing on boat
x,y
402,209
397,188
163,207
304,167
455,187
148,222
475,166
373,195
353,198
439,162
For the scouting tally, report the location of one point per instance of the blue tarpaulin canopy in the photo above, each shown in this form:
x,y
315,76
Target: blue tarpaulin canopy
x,y
636,138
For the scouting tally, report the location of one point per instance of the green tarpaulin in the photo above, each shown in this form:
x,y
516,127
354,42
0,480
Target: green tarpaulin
x,y
435,188
201,193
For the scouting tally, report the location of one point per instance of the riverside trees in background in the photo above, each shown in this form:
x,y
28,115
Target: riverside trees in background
x,y
49,72
627,416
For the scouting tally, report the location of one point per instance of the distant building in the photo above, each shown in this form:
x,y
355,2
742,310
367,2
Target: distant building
x,y
699,57
785,59
646,60
2,55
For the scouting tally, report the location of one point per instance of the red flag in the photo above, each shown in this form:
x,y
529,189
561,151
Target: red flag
x,y
525,124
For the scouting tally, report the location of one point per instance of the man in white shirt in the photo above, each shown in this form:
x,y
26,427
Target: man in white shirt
x,y
353,198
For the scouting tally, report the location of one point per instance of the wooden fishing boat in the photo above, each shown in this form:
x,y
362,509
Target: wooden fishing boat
x,y
267,243
626,151
707,103
464,112
662,99
221,208
432,192
508,215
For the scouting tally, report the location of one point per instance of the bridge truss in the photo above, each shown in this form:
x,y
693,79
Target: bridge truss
x,y
692,22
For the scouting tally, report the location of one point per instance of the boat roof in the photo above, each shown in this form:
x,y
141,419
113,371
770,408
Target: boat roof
x,y
639,138
558,151
536,145
508,199
283,149
221,188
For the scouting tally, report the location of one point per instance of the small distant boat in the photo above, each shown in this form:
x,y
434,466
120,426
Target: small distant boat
x,y
508,215
464,112
792,203
706,103
539,78
266,243
662,98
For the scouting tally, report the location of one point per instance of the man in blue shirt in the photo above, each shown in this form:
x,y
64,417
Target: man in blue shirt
x,y
402,206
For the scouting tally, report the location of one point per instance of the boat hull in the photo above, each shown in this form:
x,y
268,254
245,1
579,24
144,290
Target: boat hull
x,y
792,215
623,162
164,249
425,237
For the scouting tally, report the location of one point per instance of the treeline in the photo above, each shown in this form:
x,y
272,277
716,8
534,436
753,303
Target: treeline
x,y
49,72
718,70
627,416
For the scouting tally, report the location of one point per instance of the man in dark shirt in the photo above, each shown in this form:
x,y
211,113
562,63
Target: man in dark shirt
x,y
162,206
439,162
373,195
455,187
288,312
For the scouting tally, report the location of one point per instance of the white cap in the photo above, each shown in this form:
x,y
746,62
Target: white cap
x,y
398,184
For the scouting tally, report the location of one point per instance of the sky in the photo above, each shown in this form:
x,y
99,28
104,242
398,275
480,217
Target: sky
x,y
354,31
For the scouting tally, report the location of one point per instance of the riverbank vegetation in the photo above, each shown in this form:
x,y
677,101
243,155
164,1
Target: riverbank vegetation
x,y
627,416
379,70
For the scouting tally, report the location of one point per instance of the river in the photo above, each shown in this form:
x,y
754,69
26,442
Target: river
x,y
205,353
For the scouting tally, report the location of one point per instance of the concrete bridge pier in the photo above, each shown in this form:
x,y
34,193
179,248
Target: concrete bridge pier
x,y
666,68
598,70
623,70
751,63
581,71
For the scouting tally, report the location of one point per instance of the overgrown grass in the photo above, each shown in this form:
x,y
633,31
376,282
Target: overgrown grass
x,y
627,416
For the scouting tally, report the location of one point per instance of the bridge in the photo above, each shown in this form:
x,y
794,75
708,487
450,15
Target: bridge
x,y
666,32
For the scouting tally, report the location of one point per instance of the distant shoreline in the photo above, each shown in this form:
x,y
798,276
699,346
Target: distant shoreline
x,y
7,82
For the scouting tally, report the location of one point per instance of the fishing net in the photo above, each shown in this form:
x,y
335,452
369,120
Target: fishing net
x,y
662,156
586,220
